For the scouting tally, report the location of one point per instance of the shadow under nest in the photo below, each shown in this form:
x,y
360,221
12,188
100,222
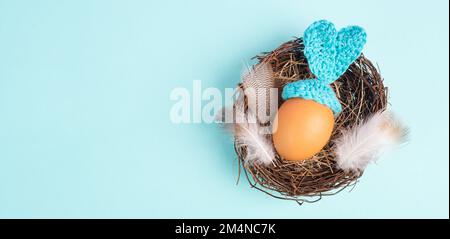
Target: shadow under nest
x,y
360,91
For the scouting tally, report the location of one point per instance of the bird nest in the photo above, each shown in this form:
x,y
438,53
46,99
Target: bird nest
x,y
360,91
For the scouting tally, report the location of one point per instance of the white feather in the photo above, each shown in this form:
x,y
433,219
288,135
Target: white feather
x,y
363,144
245,124
248,132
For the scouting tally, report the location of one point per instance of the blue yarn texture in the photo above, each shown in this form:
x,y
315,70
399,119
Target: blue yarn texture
x,y
312,89
329,54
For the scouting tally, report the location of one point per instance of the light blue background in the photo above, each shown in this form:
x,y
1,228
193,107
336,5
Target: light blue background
x,y
84,107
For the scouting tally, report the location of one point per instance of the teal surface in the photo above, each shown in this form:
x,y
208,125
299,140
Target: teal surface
x,y
84,107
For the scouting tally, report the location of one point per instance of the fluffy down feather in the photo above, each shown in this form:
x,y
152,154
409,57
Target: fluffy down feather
x,y
363,144
248,132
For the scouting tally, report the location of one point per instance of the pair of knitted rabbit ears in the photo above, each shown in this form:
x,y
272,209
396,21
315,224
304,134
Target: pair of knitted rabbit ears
x,y
329,54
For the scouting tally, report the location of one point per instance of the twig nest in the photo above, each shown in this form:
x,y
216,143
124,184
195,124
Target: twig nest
x,y
360,92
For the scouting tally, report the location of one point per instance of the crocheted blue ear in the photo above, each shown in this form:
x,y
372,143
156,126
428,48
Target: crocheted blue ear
x,y
329,53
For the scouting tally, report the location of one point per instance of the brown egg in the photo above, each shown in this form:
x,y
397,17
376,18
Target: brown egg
x,y
302,128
